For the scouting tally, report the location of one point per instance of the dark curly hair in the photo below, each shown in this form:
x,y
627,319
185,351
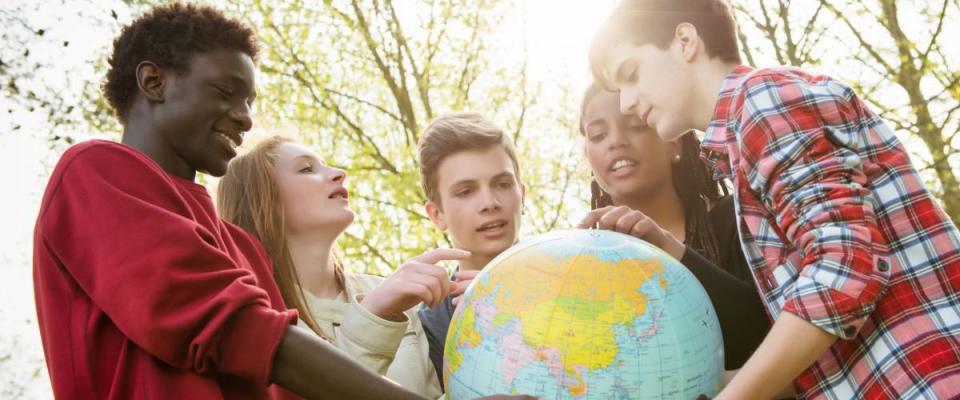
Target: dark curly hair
x,y
168,35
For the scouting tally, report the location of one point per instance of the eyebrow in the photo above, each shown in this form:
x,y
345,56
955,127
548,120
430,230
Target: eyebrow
x,y
464,182
238,80
595,122
307,157
504,175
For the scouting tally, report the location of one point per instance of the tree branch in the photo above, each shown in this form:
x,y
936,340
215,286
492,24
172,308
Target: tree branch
x,y
402,98
373,249
925,59
414,213
856,33
791,46
386,112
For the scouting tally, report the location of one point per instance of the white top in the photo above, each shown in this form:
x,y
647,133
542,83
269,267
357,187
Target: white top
x,y
397,350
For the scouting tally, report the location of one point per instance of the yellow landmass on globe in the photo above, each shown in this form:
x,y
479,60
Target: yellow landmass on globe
x,y
592,298
466,337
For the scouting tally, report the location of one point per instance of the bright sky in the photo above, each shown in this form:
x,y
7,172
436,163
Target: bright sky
x,y
557,32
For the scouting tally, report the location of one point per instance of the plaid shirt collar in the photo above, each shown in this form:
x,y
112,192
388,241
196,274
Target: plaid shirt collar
x,y
713,148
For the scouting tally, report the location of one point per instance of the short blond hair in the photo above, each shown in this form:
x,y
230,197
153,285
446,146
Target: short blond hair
x,y
453,133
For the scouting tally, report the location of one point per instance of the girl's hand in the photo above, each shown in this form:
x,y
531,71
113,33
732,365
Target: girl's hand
x,y
634,223
417,280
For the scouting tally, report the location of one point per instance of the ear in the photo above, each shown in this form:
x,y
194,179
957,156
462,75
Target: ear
x,y
523,196
688,39
150,80
436,215
675,150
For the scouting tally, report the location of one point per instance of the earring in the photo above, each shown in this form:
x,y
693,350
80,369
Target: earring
x,y
676,159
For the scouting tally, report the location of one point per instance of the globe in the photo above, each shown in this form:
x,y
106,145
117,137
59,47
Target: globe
x,y
584,314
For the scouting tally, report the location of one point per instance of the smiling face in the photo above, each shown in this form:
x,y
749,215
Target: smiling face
x,y
312,193
656,85
480,200
627,157
206,109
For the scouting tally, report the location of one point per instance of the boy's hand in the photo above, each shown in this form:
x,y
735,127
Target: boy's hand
x,y
417,280
634,223
462,279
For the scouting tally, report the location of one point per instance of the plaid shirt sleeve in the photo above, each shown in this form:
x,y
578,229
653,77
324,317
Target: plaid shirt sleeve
x,y
797,154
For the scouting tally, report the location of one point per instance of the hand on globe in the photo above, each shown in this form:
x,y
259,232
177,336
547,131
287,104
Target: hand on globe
x,y
634,223
461,280
624,320
417,280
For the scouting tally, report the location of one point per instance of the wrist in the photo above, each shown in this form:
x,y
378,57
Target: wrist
x,y
672,245
376,307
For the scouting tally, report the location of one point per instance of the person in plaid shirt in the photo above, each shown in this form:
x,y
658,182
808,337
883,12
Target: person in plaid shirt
x,y
853,257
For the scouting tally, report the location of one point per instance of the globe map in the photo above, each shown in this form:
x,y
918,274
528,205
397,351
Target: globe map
x,y
584,314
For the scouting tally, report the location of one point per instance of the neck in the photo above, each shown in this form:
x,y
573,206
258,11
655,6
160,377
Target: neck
x,y
312,257
139,134
663,206
713,72
476,262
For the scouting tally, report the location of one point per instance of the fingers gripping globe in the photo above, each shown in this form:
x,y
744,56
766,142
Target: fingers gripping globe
x,y
584,314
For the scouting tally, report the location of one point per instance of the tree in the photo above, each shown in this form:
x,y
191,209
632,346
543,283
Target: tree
x,y
362,78
899,62
42,83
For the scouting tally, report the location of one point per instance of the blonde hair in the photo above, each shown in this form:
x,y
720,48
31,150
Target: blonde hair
x,y
453,133
248,196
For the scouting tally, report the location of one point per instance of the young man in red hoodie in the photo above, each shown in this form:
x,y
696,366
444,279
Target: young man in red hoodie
x,y
142,291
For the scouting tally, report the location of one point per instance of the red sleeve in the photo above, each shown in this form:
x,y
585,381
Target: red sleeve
x,y
120,228
799,143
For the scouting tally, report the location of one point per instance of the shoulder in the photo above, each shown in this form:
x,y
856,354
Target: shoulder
x,y
248,243
783,76
777,111
102,153
90,168
767,89
103,158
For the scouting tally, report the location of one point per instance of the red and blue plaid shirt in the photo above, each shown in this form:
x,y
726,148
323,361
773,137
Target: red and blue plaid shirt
x,y
839,230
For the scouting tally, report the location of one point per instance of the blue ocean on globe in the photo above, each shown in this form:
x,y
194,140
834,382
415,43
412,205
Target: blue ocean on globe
x,y
584,314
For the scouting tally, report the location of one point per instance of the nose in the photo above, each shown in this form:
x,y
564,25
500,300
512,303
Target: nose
x,y
491,202
243,116
617,136
628,101
337,175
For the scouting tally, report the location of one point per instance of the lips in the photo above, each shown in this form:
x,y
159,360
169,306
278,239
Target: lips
x,y
233,139
622,163
340,193
492,225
